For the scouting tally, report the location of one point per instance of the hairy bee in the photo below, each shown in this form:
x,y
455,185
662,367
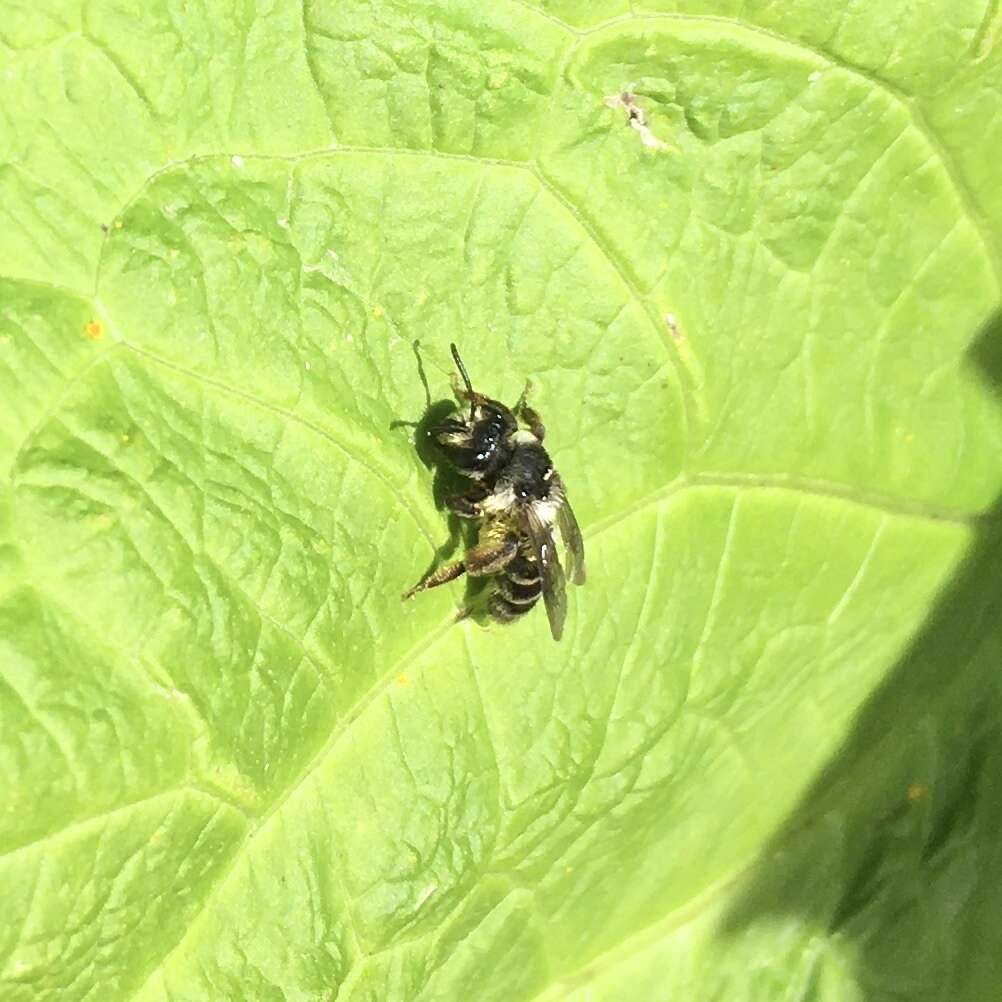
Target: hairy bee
x,y
517,497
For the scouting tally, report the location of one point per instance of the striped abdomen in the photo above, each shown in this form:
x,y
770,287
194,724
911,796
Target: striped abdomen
x,y
516,588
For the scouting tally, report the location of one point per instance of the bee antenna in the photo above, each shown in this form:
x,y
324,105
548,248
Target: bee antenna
x,y
466,378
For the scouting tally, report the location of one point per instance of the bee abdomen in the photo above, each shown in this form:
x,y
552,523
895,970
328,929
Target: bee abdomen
x,y
516,591
522,570
504,610
519,592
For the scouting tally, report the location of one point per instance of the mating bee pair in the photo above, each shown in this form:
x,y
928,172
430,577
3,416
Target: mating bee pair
x,y
518,498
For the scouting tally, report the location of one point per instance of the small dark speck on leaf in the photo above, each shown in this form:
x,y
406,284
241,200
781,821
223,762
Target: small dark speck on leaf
x,y
636,117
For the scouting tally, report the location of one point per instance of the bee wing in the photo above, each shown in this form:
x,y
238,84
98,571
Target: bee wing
x,y
573,541
550,572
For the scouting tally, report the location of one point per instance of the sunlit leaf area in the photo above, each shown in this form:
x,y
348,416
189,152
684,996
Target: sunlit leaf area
x,y
749,255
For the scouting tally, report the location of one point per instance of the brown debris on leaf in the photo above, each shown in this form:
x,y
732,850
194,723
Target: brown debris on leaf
x,y
636,117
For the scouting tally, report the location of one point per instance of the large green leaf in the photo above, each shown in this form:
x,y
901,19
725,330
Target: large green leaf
x,y
764,761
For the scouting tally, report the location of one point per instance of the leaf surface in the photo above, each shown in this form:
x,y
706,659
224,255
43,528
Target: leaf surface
x,y
761,325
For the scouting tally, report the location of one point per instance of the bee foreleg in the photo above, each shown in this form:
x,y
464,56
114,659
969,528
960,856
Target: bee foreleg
x,y
451,433
528,415
458,386
531,418
463,392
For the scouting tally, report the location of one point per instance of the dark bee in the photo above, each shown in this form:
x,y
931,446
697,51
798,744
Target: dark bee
x,y
517,497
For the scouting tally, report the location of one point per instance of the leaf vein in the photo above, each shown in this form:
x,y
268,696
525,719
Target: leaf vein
x,y
343,728
350,451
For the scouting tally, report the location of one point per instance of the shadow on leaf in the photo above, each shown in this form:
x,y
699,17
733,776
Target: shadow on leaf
x,y
896,850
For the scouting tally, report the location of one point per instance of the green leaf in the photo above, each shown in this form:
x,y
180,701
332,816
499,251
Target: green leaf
x,y
749,255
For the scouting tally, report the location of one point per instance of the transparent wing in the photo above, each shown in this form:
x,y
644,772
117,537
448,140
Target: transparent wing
x,y
572,540
550,572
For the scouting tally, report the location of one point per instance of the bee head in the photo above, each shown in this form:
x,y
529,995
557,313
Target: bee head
x,y
479,442
489,436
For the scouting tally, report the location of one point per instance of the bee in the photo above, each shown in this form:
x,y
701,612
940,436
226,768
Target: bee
x,y
517,498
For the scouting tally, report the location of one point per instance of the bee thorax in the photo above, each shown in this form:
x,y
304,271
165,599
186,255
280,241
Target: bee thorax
x,y
546,511
501,500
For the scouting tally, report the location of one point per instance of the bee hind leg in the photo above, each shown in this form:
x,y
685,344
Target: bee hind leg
x,y
491,557
483,559
442,576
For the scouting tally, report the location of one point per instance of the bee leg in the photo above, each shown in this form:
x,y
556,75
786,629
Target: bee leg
x,y
463,393
531,418
466,505
458,386
528,415
450,433
489,558
483,559
520,403
442,576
